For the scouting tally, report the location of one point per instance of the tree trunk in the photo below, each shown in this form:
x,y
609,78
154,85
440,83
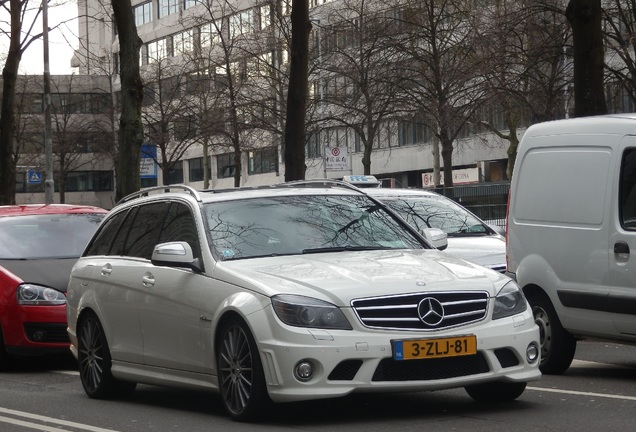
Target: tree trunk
x,y
585,18
9,76
297,94
130,126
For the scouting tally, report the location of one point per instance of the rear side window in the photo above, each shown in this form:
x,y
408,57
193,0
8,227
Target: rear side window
x,y
104,238
628,190
144,231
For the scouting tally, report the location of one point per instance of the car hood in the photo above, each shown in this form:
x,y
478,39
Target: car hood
x,y
340,277
486,251
52,273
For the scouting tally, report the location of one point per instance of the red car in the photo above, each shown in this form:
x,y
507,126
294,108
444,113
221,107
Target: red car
x,y
39,244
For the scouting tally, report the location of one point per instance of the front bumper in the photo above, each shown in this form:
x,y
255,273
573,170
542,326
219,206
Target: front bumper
x,y
35,330
361,360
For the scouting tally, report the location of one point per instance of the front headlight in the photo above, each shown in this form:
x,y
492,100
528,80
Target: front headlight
x,y
509,301
37,295
299,311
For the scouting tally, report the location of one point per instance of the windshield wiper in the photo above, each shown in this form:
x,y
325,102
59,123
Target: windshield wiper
x,y
343,248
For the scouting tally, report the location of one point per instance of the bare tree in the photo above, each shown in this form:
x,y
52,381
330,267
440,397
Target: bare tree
x,y
589,57
297,92
21,35
443,67
234,70
166,115
620,39
528,71
130,126
357,73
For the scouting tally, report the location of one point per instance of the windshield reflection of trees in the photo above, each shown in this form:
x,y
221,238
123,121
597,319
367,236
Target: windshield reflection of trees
x,y
46,236
291,225
433,213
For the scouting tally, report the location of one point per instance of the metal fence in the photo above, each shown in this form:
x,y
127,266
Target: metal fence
x,y
489,201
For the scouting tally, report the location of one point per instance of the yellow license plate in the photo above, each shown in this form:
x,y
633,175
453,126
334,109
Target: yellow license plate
x,y
434,348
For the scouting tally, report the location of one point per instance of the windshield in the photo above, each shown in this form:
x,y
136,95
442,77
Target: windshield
x,y
302,224
46,236
436,212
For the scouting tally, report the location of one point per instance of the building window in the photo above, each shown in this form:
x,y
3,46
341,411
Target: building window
x,y
262,161
313,148
182,42
242,23
196,169
157,50
168,7
175,173
143,13
265,13
412,132
209,35
190,3
225,166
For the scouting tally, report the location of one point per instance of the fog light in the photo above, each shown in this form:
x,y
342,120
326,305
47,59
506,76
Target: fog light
x,y
532,352
304,370
38,335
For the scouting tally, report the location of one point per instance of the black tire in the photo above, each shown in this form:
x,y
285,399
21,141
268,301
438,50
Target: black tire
x,y
241,379
497,392
557,345
95,362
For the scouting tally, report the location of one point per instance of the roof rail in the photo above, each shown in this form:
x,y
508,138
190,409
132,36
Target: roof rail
x,y
321,182
160,189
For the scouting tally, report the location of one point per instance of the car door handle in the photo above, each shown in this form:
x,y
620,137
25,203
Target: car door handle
x,y
107,270
148,280
621,247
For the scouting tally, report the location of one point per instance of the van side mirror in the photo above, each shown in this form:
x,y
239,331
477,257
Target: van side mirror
x,y
436,238
175,254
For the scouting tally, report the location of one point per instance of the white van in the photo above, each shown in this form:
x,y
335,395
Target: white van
x,y
571,227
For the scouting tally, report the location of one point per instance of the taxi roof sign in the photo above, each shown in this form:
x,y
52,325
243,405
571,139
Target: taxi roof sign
x,y
362,180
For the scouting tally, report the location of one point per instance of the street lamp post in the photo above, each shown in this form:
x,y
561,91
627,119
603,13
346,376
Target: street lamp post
x,y
48,145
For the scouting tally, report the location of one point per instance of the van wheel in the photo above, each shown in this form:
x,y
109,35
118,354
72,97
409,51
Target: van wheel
x,y
557,345
95,362
496,391
241,377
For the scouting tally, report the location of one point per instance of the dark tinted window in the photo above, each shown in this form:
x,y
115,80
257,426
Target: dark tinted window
x,y
102,241
628,190
119,241
144,231
179,226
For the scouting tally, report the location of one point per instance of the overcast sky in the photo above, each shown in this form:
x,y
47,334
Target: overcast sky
x,y
62,42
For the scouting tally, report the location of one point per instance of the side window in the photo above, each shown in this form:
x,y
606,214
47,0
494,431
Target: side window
x,y
627,192
144,231
179,225
103,239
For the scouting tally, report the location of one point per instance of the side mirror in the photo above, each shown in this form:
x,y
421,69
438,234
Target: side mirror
x,y
175,254
436,238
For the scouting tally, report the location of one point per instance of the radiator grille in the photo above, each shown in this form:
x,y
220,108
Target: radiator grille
x,y
422,311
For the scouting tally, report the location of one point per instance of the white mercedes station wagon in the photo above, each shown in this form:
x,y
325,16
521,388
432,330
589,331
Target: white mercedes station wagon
x,y
286,293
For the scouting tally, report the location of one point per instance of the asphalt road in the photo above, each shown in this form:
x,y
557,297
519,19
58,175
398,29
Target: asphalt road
x,y
598,393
